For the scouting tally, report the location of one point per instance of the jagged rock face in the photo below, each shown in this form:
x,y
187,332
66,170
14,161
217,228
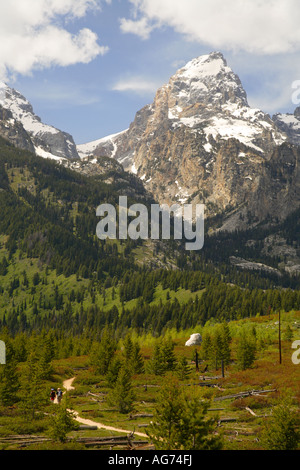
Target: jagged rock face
x,y
199,141
46,141
13,131
290,124
273,188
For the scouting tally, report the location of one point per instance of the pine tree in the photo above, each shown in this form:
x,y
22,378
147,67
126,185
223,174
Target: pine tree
x,y
168,356
156,365
165,428
288,335
62,422
281,432
137,361
32,392
198,430
217,347
122,395
103,352
180,423
207,350
246,351
183,370
128,348
113,371
226,340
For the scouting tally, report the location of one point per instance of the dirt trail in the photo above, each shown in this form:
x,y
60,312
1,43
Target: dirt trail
x,y
68,386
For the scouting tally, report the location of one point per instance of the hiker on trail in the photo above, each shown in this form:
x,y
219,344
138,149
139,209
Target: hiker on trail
x,y
52,394
59,395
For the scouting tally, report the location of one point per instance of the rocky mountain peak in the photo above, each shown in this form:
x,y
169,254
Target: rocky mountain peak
x,y
201,142
207,80
47,141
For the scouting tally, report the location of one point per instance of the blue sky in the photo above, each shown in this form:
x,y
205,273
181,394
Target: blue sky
x,y
87,66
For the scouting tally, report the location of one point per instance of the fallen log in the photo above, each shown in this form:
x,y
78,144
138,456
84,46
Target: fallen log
x,y
201,384
114,443
19,437
97,395
104,438
141,415
203,377
226,420
250,411
244,394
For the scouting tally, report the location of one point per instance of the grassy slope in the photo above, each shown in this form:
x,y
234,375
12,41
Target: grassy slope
x,y
242,433
20,263
266,374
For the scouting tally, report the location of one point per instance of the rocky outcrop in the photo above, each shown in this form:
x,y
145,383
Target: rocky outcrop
x,y
46,141
13,131
194,340
290,124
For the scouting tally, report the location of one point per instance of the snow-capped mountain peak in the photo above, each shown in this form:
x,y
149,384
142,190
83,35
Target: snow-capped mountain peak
x,y
209,79
207,98
201,141
47,141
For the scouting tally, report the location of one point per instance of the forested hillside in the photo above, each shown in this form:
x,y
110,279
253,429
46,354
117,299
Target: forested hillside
x,y
55,273
69,304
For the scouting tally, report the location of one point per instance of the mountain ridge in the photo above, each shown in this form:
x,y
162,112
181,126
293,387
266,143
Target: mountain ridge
x,y
47,141
199,141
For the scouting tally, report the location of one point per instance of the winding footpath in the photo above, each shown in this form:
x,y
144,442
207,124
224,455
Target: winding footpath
x,y
68,386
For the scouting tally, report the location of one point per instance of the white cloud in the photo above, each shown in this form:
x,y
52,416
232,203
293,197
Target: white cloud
x,y
33,35
137,85
139,27
255,26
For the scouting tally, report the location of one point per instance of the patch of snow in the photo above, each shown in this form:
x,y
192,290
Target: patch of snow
x,y
90,147
133,169
174,112
202,67
191,121
44,154
22,111
290,120
207,147
230,128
